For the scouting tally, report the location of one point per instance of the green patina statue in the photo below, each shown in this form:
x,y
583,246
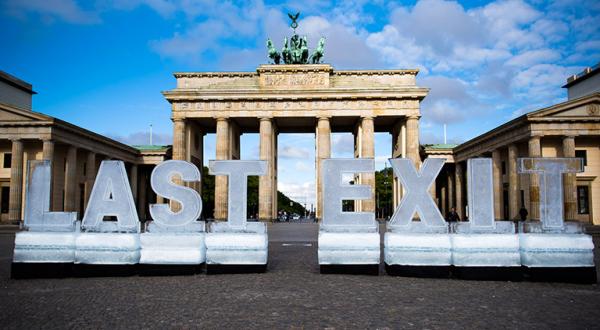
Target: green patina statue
x,y
296,51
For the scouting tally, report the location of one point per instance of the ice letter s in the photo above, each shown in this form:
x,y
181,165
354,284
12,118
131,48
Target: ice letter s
x,y
335,191
37,216
111,196
162,183
550,171
238,172
417,198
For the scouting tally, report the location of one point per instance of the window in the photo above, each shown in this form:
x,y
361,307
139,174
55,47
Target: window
x,y
5,192
7,163
582,154
84,168
583,206
503,168
522,197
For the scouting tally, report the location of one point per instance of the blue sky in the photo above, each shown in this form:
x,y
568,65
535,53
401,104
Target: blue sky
x,y
101,64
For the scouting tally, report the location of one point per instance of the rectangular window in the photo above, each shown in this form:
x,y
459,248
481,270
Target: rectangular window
x,y
4,193
503,168
7,163
583,199
84,168
582,154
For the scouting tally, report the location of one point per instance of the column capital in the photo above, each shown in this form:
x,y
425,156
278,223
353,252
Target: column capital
x,y
413,117
16,139
536,136
324,118
222,118
266,118
366,117
569,136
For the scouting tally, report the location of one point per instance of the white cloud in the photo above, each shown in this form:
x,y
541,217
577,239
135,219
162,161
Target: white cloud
x,y
51,10
293,152
299,192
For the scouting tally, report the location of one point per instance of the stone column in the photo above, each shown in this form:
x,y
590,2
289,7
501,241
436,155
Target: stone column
x,y
71,180
323,144
368,151
48,150
443,198
16,181
459,179
48,154
534,180
141,201
513,183
265,182
274,169
223,153
90,175
450,184
497,178
397,142
570,181
133,181
179,140
412,140
179,152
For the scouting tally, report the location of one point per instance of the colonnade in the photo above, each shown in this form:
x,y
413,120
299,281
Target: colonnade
x,y
512,182
65,179
405,134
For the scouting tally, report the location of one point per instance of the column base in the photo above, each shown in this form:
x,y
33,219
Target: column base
x,y
418,271
228,246
23,270
349,248
513,274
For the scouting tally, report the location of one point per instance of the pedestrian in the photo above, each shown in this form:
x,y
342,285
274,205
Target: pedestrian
x,y
453,216
523,213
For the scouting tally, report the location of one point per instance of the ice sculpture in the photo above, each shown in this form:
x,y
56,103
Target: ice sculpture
x,y
346,238
49,237
482,241
417,243
236,241
174,238
554,246
417,198
109,242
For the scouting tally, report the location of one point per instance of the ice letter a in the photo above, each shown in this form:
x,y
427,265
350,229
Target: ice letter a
x,y
162,183
111,196
417,198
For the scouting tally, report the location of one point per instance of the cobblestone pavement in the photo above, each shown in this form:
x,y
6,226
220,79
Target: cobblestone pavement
x,y
292,294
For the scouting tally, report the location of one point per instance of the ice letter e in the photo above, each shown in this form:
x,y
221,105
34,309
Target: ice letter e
x,y
238,172
111,196
551,171
162,183
335,191
37,216
417,198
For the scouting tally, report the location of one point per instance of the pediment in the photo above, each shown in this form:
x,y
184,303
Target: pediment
x,y
12,114
581,108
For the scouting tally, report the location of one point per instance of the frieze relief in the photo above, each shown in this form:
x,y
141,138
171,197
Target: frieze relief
x,y
298,105
308,80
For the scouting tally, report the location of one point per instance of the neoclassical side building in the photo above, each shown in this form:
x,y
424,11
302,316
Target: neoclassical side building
x,y
568,129
75,153
276,99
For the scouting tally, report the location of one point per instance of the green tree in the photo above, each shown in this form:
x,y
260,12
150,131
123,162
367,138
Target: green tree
x,y
384,192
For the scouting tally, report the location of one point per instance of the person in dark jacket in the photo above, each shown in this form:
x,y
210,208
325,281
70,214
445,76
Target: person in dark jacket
x,y
523,213
453,216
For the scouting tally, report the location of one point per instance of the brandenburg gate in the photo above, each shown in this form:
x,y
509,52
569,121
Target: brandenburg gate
x,y
294,98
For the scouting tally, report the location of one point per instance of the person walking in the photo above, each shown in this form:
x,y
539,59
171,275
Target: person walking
x,y
452,215
523,213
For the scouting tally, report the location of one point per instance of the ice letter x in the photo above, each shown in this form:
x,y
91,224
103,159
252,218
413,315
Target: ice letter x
x,y
417,197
